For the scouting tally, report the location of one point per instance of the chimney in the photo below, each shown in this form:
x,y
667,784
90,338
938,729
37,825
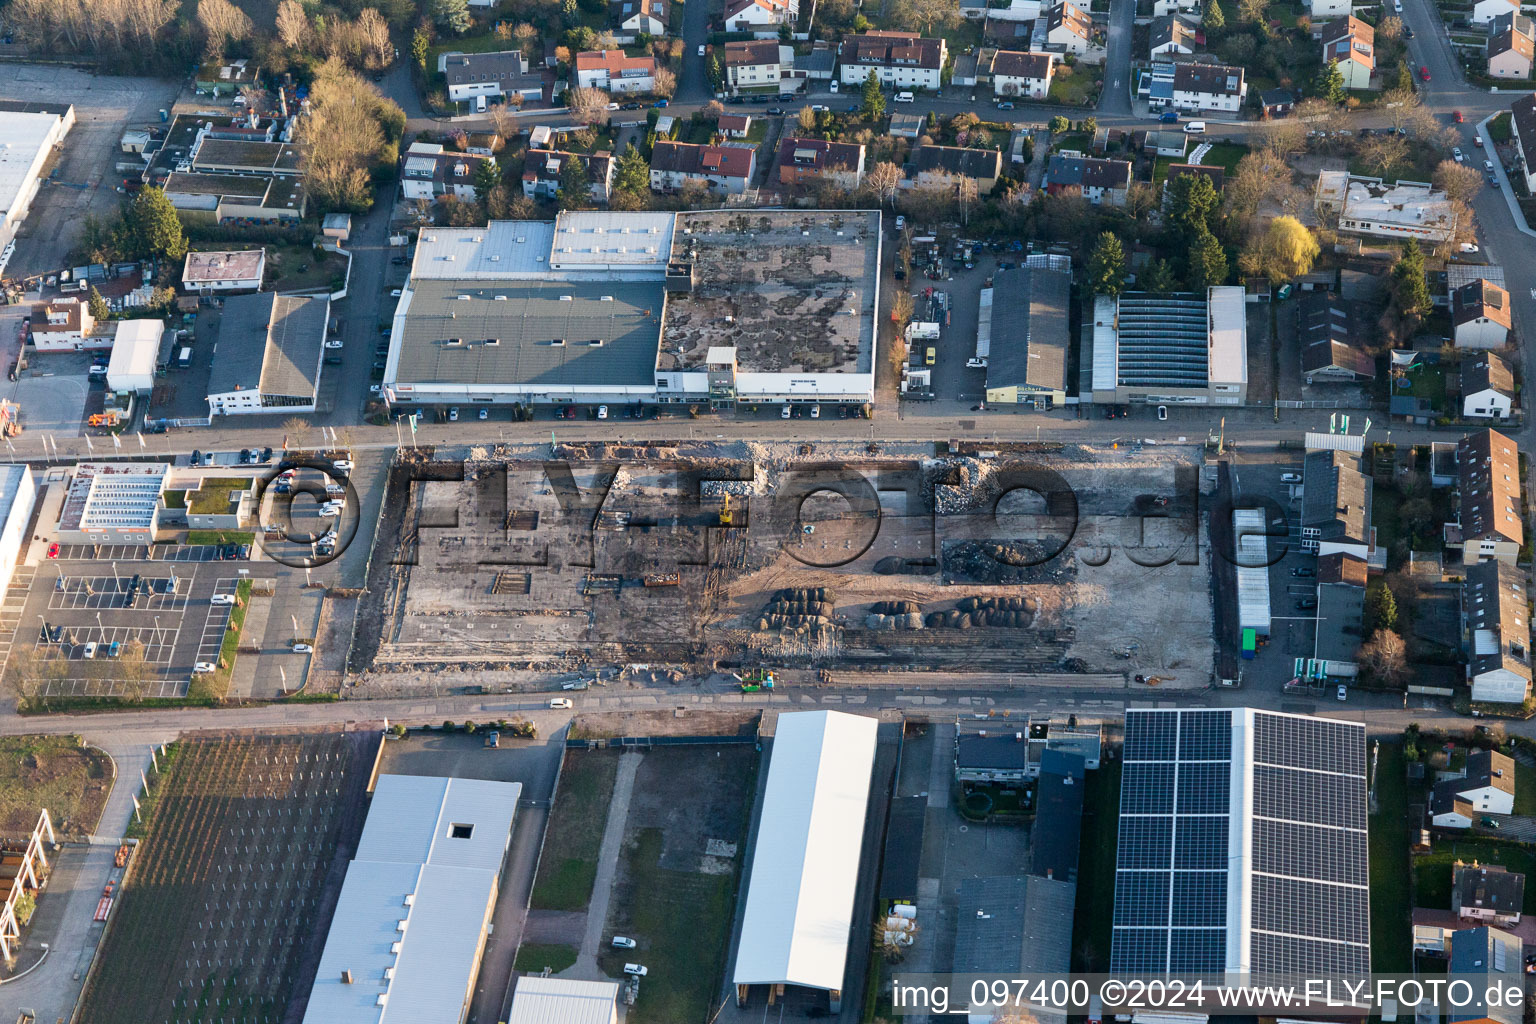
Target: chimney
x,y
346,977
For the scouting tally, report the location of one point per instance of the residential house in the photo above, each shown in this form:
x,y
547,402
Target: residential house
x,y
1487,892
762,17
817,66
1068,28
1481,316
1511,46
907,126
615,71
1025,74
1332,333
494,76
630,18
1321,9
1336,505
806,161
542,169
988,756
734,126
1277,102
901,60
1101,182
1485,786
1522,124
756,63
936,165
1484,11
1174,33
1215,87
65,325
724,169
1165,144
1485,961
1491,521
1352,43
430,172
1163,8
229,271
1487,387
1497,632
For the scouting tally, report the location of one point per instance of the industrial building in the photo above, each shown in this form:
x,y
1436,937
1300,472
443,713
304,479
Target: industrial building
x,y
1174,348
1242,845
539,1000
1027,335
135,350
28,134
18,495
716,308
797,923
411,922
1251,534
113,503
267,358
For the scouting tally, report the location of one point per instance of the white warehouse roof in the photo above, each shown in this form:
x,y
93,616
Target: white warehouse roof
x,y
413,910
806,862
135,348
563,1001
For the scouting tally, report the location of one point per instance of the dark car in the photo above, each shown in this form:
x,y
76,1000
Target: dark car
x,y
230,551
630,106
1305,603
1303,572
1407,32
333,360
775,111
397,260
244,554
266,455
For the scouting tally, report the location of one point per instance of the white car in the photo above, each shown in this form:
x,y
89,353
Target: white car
x,y
222,599
602,412
303,649
1162,412
620,942
205,666
1343,693
560,703
333,343
815,412
329,511
638,970
394,293
701,49
345,465
1457,155
1290,478
485,414
90,650
1468,247
375,389
453,415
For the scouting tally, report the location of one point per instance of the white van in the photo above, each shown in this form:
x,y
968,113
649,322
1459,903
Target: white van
x,y
479,104
905,97
1195,128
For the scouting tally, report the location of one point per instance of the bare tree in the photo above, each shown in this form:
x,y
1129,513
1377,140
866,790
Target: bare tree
x,y
500,118
133,671
587,105
1383,151
883,182
222,23
806,119
1458,181
666,83
293,29
1384,657
295,432
1390,28
373,32
525,34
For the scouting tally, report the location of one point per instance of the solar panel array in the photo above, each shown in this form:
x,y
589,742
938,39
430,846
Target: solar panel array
x,y
1306,865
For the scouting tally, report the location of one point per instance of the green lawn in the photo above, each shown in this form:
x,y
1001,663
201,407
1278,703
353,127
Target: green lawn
x,y
1074,90
574,837
1391,922
1428,382
1096,870
216,496
1225,155
679,914
1432,871
1525,788
220,537
533,957
1498,128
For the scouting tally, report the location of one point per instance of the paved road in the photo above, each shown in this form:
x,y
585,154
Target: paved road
x,y
1116,97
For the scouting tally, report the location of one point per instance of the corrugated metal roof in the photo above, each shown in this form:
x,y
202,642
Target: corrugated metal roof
x,y
411,916
502,249
563,1001
1253,610
805,866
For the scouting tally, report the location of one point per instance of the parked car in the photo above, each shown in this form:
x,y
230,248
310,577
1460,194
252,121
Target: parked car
x,y
53,550
1343,693
1290,478
560,703
1488,822
334,343
1456,117
1457,155
205,666
303,649
638,970
1306,603
453,414
622,942
1005,105
90,650
1303,572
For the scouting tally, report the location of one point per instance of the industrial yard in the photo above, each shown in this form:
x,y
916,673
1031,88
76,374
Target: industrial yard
x,y
707,557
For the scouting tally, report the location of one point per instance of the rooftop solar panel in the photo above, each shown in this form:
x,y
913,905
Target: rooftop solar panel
x,y
1146,789
1154,737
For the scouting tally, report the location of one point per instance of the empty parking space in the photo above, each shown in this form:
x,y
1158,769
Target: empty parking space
x,y
154,593
88,552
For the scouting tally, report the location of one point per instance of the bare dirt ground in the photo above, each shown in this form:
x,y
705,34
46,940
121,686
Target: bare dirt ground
x,y
55,772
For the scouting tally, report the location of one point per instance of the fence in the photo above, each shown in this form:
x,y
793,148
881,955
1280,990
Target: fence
x,y
635,742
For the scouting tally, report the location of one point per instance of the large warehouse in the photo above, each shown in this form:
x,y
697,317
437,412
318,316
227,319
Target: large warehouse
x,y
805,865
1171,348
696,308
267,358
135,349
414,912
28,134
18,494
1242,845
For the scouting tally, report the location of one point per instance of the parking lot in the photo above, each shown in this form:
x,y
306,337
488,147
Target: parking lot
x,y
104,106
958,311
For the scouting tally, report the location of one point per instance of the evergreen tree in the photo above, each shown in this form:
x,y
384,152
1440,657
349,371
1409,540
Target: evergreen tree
x,y
1106,265
421,49
1192,203
152,226
1330,82
1408,281
631,173
575,190
98,305
1207,262
1213,20
874,98
452,15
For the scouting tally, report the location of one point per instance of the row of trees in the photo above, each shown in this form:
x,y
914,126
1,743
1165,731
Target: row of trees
x,y
351,138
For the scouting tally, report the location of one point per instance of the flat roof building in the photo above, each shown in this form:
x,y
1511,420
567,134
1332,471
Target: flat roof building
x,y
237,270
1028,338
18,495
414,911
267,359
135,350
27,139
796,926
539,1000
506,250
113,503
1369,206
1173,348
1242,845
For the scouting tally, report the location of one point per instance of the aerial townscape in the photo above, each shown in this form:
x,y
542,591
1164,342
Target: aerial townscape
x,y
761,511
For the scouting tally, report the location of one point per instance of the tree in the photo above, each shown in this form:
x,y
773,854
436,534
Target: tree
x,y
1330,83
351,133
500,118
1261,175
1380,608
1157,277
1384,658
1106,265
421,49
588,106
373,38
924,15
1253,12
98,305
1389,28
1213,20
665,83
292,25
1281,252
806,119
884,182
1458,181
1207,262
1383,151
487,177
873,98
1402,78
1089,126
575,189
1410,290
222,23
452,15
1192,203
153,227
631,173
1059,125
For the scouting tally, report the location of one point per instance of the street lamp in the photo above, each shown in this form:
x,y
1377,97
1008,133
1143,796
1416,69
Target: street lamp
x,y
158,640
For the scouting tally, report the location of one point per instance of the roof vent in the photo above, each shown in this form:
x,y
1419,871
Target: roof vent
x,y
383,998
567,298
596,343
346,977
410,899
558,341
501,298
